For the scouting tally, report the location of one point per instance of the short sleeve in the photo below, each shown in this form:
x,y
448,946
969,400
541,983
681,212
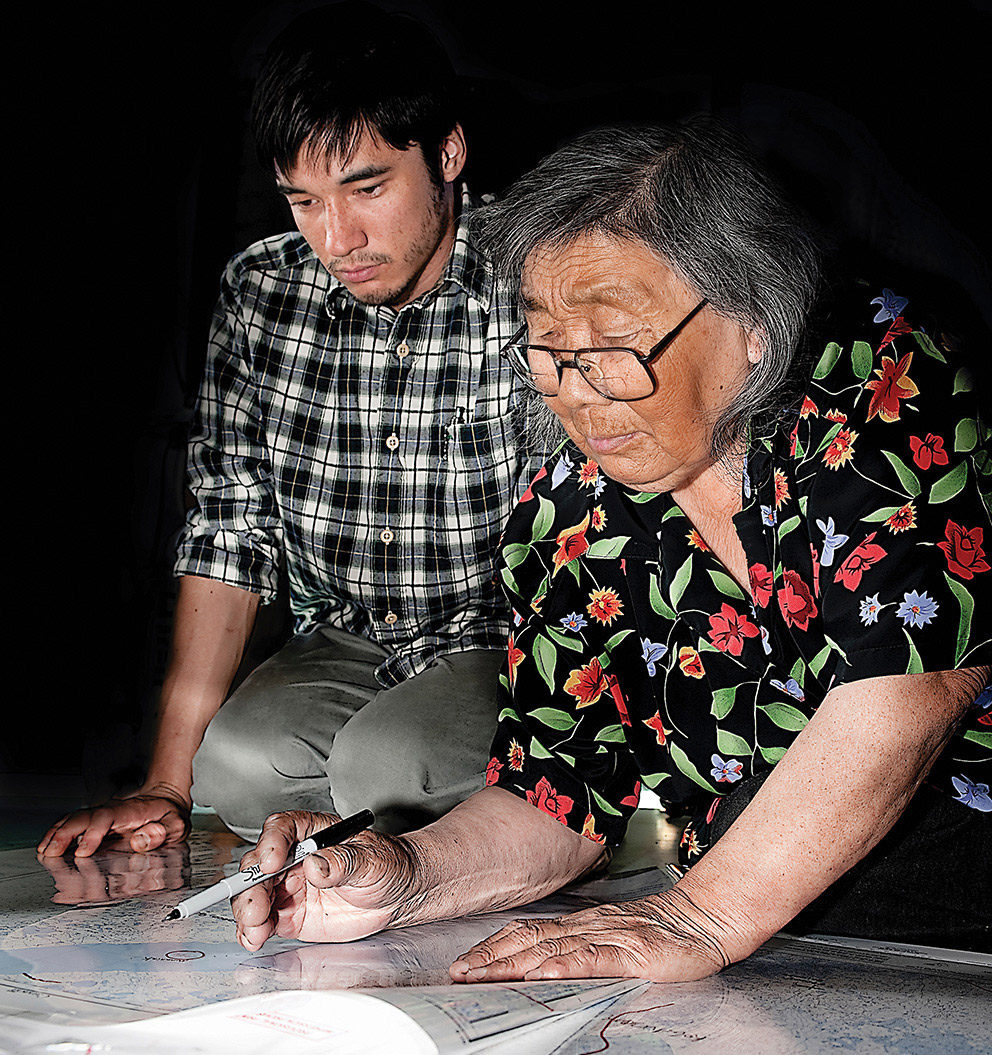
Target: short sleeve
x,y
892,460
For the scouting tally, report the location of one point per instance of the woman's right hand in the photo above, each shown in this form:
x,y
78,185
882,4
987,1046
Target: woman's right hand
x,y
339,894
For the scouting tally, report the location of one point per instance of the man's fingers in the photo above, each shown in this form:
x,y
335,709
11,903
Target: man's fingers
x,y
59,836
149,836
101,822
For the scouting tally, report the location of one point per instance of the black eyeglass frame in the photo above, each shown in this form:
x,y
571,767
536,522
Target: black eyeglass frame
x,y
644,358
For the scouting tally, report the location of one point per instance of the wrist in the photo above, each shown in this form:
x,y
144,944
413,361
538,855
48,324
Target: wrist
x,y
162,788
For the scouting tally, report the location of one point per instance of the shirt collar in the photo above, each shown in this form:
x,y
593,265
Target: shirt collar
x,y
466,269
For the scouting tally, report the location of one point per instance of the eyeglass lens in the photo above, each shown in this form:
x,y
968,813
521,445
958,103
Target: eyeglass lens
x,y
614,372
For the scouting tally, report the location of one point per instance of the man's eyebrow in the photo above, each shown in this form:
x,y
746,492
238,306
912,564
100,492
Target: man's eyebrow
x,y
357,176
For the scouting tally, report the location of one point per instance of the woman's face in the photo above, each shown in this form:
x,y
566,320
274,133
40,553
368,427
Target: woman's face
x,y
602,292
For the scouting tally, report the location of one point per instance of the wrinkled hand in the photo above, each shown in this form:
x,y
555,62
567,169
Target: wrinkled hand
x,y
662,938
115,875
145,821
339,894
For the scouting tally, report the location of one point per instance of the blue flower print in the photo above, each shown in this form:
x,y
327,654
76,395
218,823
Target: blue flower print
x,y
769,516
983,701
891,306
559,474
652,652
917,609
746,480
765,644
974,795
791,687
726,772
870,607
573,621
832,540
600,485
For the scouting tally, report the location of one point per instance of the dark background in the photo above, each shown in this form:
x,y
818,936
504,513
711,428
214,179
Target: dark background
x,y
134,182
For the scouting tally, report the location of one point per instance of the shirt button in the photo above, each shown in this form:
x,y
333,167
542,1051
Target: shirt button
x,y
386,535
403,350
391,617
392,441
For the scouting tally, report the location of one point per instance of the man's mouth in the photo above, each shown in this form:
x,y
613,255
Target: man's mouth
x,y
357,274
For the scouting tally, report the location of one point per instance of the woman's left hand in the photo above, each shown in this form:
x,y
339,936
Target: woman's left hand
x,y
662,938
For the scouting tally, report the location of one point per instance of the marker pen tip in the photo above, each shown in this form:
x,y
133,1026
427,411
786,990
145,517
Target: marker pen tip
x,y
174,914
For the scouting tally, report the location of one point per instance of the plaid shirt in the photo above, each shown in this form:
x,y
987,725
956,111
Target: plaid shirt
x,y
368,448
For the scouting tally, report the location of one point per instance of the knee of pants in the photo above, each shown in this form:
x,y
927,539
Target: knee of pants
x,y
390,775
245,777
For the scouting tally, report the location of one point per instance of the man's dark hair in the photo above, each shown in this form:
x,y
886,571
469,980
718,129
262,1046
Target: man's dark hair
x,y
340,71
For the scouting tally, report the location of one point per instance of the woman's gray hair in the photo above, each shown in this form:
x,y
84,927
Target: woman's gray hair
x,y
695,195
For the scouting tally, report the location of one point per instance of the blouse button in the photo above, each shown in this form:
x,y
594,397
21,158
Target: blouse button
x,y
392,441
386,535
391,617
403,350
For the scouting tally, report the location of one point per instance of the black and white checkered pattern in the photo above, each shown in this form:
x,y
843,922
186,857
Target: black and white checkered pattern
x,y
369,447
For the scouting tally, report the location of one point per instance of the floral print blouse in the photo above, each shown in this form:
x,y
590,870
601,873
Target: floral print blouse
x,y
635,657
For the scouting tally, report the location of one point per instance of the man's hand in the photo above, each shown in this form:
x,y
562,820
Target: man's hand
x,y
339,894
663,938
146,820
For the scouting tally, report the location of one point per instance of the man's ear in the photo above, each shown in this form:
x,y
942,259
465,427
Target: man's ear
x,y
453,154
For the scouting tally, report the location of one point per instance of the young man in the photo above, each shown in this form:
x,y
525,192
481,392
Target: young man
x,y
352,434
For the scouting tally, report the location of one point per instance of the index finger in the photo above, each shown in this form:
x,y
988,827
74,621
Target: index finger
x,y
280,832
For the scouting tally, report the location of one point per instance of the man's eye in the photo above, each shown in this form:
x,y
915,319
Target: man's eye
x,y
302,203
369,192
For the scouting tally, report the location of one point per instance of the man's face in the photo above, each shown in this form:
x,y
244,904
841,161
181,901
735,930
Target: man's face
x,y
376,220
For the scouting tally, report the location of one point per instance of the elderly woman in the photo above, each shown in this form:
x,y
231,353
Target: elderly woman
x,y
750,579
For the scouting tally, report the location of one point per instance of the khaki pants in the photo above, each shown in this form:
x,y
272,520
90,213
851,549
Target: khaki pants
x,y
312,729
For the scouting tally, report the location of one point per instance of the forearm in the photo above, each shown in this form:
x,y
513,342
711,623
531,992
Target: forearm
x,y
494,851
213,623
836,793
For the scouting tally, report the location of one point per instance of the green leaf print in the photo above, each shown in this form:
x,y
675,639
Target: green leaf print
x,y
543,520
730,744
950,485
880,514
723,702
681,760
785,716
725,584
657,601
907,477
861,358
553,718
964,380
816,663
537,749
545,656
966,435
967,605
978,737
827,361
608,547
772,755
515,553
680,580
564,640
611,734
928,346
604,805
915,665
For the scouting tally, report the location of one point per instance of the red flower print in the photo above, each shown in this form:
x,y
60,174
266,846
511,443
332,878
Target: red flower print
x,y
544,797
587,683
588,474
793,440
492,771
899,325
604,605
634,797
697,540
808,407
761,584
515,655
690,662
729,630
840,450
795,599
929,451
891,386
860,559
516,756
816,569
711,812
654,722
589,829
571,544
529,493
836,416
781,488
598,518
618,699
902,519
963,550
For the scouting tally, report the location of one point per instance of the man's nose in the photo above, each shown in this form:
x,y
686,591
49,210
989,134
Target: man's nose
x,y
342,233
